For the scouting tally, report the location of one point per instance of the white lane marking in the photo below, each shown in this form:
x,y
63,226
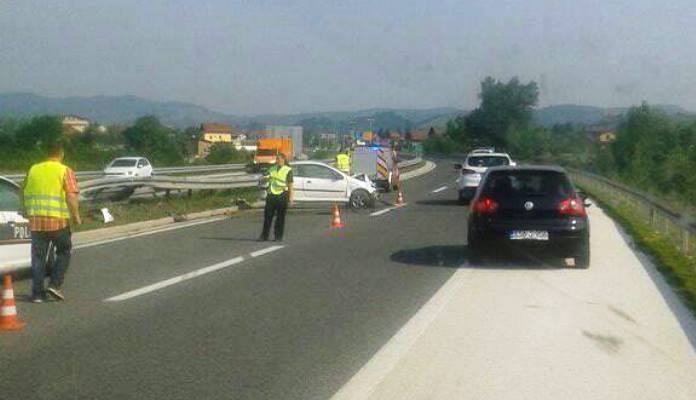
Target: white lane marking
x,y
440,189
363,384
152,232
386,210
265,251
175,280
380,212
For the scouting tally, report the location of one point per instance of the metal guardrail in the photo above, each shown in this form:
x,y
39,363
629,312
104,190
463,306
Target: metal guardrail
x,y
165,170
227,181
677,228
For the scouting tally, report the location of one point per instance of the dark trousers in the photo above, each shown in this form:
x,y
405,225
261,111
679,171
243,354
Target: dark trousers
x,y
40,243
276,205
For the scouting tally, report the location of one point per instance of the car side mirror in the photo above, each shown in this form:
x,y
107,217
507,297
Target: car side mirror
x,y
513,164
458,166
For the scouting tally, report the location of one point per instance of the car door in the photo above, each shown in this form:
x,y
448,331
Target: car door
x,y
14,231
321,183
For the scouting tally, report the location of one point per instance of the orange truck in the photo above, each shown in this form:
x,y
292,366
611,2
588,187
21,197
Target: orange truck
x,y
267,150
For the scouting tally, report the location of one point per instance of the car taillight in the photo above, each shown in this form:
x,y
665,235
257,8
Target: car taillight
x,y
572,207
467,171
485,205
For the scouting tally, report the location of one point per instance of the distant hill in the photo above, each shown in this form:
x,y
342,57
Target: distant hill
x,y
590,115
108,109
126,109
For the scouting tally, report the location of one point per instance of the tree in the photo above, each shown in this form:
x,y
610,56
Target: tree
x,y
225,153
38,133
149,138
528,142
502,105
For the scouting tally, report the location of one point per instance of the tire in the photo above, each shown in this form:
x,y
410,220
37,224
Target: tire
x,y
360,199
582,260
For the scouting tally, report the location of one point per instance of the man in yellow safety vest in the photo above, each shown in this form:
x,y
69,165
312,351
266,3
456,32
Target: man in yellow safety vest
x,y
49,202
279,195
343,161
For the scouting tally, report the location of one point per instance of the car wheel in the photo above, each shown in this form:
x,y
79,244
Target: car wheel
x,y
360,199
582,260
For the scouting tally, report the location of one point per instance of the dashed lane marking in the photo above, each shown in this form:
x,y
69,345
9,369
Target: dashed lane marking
x,y
440,189
386,210
190,275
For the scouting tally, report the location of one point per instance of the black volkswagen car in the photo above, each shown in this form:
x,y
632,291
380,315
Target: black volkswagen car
x,y
535,208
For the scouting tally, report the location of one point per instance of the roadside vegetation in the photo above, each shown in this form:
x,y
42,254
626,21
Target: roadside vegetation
x,y
679,270
23,143
176,205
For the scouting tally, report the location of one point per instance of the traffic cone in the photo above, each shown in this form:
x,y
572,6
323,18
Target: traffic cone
x,y
400,198
336,219
8,310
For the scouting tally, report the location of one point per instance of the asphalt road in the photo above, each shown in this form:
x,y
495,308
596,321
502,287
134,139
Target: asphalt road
x,y
387,307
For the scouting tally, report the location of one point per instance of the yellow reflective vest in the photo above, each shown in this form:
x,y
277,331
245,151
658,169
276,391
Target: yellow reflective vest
x,y
343,162
44,194
277,179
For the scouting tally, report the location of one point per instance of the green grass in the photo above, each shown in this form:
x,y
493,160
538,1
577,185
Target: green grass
x,y
679,270
138,210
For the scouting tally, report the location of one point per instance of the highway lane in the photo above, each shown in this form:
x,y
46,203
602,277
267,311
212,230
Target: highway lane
x,y
304,321
312,312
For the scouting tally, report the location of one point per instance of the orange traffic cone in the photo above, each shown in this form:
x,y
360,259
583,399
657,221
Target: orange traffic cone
x,y
400,198
336,219
8,310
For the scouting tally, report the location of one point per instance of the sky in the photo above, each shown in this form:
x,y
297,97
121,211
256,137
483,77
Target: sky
x,y
267,56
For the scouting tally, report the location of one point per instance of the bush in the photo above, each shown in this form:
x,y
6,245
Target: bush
x,y
441,145
225,153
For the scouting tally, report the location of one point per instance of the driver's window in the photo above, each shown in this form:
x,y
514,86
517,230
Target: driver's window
x,y
9,197
141,163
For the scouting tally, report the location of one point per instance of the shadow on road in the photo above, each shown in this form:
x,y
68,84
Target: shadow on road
x,y
440,202
461,257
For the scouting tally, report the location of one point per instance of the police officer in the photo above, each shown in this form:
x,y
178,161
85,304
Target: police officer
x,y
343,161
279,195
49,199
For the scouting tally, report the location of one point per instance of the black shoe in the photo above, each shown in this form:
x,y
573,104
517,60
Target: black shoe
x,y
57,293
278,239
262,239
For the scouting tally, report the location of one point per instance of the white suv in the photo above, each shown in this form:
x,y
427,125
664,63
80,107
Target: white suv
x,y
475,165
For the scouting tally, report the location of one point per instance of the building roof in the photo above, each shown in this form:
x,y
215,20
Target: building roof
x,y
418,136
216,128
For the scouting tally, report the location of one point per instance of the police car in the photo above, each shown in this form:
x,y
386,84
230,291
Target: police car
x,y
15,247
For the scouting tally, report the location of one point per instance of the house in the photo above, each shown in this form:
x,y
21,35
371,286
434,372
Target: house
x,y
75,124
605,138
394,136
417,136
212,133
216,133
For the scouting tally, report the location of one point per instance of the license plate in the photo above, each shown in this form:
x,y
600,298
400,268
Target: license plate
x,y
529,235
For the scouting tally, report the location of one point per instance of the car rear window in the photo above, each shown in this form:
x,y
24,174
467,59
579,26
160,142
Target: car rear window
x,y
527,183
123,163
487,161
